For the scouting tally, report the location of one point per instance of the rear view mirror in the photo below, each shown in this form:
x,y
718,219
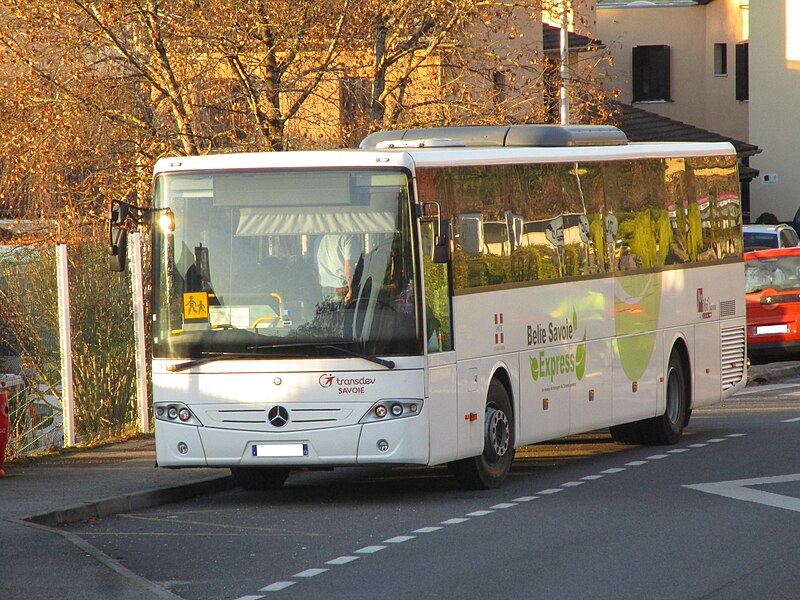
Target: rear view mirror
x,y
431,213
124,217
118,235
441,246
119,249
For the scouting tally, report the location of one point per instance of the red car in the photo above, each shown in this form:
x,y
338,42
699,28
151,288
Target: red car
x,y
773,303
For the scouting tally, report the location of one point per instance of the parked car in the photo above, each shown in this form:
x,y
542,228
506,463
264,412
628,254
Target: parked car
x,y
772,294
769,236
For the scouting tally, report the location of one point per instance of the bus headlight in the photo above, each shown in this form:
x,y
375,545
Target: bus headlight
x,y
391,409
175,412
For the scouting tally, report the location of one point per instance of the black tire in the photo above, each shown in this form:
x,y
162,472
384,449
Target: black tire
x,y
490,469
668,428
260,478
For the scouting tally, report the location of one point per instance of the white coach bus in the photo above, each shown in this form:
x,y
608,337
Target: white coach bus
x,y
505,286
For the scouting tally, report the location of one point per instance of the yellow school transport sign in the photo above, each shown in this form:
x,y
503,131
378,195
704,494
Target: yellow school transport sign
x,y
195,306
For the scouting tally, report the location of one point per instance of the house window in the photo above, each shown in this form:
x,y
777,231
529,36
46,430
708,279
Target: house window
x,y
742,71
720,59
651,73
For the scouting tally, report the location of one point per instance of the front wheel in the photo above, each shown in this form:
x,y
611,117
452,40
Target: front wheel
x,y
260,478
490,469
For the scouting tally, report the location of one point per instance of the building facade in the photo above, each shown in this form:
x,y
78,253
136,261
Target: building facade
x,y
727,66
774,93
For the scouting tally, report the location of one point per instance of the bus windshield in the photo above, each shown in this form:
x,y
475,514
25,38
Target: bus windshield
x,y
285,263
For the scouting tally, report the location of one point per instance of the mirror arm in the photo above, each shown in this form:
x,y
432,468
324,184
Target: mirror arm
x,y
441,238
125,217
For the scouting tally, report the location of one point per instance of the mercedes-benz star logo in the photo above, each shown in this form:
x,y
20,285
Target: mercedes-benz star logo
x,y
278,416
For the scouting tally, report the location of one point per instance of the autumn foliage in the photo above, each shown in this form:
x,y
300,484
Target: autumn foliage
x,y
92,93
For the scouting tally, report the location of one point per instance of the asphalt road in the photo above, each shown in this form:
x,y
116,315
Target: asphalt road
x,y
714,517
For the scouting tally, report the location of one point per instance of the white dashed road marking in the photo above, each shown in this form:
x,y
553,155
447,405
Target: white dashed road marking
x,y
370,549
309,573
455,521
732,489
275,587
342,560
399,539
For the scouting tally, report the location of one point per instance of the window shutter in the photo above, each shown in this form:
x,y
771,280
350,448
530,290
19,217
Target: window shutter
x,y
742,71
651,73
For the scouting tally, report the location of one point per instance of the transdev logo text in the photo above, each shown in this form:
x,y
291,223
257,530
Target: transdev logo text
x,y
346,385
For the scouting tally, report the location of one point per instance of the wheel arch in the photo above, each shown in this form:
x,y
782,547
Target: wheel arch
x,y
502,373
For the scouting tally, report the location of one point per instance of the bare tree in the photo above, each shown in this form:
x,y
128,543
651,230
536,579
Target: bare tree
x,y
92,92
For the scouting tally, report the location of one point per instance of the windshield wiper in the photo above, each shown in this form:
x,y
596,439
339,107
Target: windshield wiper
x,y
212,357
389,364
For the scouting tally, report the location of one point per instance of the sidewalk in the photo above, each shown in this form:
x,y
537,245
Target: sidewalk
x,y
772,372
39,560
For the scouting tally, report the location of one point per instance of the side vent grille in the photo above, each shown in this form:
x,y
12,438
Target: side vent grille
x,y
727,308
733,356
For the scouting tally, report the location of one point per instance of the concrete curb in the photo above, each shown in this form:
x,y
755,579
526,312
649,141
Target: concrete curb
x,y
107,507
764,374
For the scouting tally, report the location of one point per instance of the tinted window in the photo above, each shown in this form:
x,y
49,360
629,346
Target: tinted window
x,y
520,223
754,239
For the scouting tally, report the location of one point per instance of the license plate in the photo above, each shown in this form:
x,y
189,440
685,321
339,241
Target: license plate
x,y
766,329
280,450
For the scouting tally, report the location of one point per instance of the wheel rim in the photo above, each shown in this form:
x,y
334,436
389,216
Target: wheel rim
x,y
497,433
674,396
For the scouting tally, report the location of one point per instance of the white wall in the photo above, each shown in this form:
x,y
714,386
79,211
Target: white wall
x,y
698,97
774,109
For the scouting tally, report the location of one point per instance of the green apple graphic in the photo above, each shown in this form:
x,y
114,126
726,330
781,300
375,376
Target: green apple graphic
x,y
637,302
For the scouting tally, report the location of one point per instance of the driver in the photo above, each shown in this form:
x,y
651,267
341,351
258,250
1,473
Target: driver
x,y
336,257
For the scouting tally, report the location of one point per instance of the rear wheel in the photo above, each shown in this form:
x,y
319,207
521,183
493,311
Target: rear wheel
x,y
490,469
260,478
667,428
